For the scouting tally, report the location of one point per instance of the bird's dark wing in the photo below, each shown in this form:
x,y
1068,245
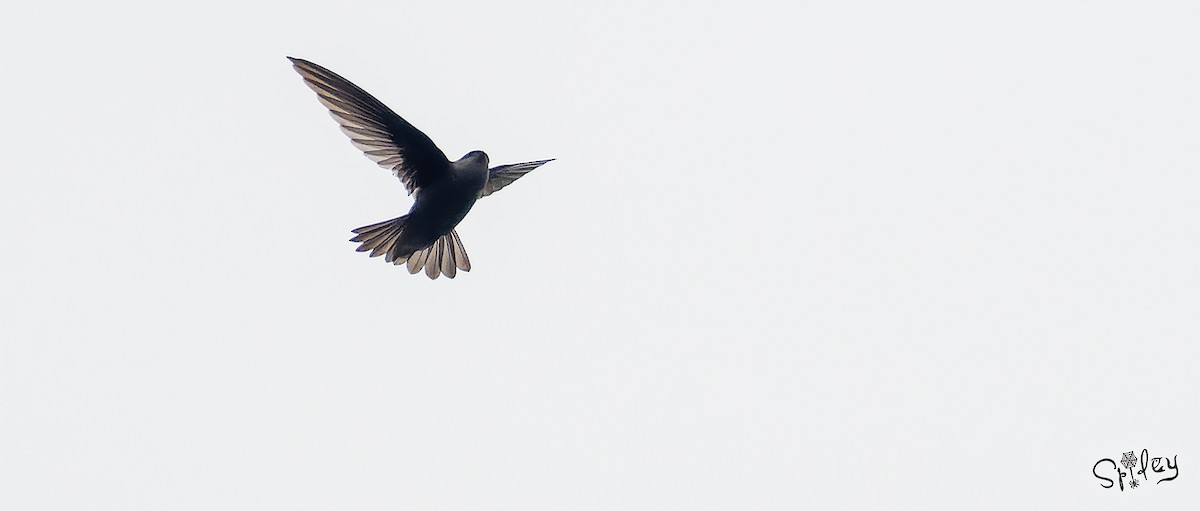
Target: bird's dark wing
x,y
383,136
499,177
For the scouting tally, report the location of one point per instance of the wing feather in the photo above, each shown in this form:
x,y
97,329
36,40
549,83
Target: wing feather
x,y
499,177
385,137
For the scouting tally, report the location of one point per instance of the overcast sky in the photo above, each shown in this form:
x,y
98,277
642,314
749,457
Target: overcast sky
x,y
791,255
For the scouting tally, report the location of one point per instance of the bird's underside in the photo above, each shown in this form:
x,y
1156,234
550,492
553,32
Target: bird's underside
x,y
424,239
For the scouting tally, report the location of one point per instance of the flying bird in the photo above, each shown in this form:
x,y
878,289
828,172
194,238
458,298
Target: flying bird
x,y
443,191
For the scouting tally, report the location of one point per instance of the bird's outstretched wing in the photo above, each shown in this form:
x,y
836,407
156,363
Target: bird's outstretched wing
x,y
383,136
499,177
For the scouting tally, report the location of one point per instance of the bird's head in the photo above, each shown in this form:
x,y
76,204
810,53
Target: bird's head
x,y
474,158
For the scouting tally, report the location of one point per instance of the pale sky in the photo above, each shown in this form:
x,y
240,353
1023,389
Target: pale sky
x,y
791,255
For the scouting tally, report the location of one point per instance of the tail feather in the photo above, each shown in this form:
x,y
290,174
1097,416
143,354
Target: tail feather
x,y
373,241
416,261
459,252
446,256
378,238
443,257
386,224
383,243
